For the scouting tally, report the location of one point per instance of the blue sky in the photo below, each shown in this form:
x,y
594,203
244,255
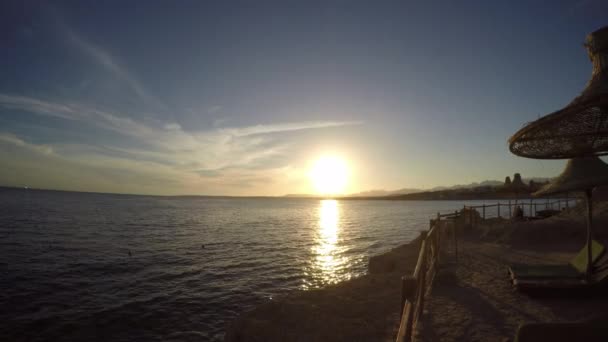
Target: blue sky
x,y
239,98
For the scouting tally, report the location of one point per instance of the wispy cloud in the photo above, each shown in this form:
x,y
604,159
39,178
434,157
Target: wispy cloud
x,y
154,152
12,139
285,127
103,58
228,156
73,111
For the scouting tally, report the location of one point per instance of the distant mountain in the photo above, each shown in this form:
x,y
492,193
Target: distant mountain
x,y
407,191
538,179
467,186
373,193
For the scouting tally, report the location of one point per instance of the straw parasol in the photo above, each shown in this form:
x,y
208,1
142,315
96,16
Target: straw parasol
x,y
580,174
580,128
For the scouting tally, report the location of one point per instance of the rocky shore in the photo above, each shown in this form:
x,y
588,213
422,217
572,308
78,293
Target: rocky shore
x,y
362,309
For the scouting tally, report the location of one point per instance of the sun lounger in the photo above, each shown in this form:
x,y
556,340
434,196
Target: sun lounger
x,y
596,284
556,332
574,270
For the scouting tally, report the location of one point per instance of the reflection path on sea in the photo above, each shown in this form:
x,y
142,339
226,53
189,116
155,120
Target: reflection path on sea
x,y
328,264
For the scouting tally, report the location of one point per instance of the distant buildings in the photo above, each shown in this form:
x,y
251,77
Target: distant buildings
x,y
518,185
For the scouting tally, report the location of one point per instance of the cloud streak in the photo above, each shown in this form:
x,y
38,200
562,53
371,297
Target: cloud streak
x,y
149,148
286,127
228,156
12,139
109,63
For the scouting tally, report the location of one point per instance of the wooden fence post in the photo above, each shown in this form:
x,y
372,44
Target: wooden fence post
x,y
474,216
437,244
439,221
422,280
464,215
408,290
498,206
454,228
510,211
484,211
530,213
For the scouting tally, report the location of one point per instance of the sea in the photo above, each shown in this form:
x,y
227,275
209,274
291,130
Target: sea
x,y
103,267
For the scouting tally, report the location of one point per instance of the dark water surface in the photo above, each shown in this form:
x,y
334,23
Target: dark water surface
x,y
66,273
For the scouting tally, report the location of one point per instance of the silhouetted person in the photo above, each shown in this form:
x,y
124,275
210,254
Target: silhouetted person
x,y
519,213
130,253
202,246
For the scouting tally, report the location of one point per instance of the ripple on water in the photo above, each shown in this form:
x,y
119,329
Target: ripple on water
x,y
196,263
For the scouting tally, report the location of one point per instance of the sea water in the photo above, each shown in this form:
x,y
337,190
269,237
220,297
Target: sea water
x,y
101,267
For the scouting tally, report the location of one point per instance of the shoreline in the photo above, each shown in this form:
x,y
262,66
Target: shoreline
x,y
438,195
362,308
368,308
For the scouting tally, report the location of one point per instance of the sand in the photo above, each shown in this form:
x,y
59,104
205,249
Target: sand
x,y
472,298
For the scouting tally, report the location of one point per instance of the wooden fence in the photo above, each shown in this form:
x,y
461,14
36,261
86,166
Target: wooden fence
x,y
414,288
531,205
442,234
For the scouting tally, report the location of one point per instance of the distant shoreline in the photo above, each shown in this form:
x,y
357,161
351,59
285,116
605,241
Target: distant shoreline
x,y
440,195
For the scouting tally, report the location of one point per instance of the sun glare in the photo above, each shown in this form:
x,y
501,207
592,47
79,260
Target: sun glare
x,y
329,175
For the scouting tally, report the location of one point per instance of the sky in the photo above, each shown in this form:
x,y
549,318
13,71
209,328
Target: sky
x,y
241,98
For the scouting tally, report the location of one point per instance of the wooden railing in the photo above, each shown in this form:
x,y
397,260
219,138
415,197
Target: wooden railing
x,y
414,288
531,205
474,214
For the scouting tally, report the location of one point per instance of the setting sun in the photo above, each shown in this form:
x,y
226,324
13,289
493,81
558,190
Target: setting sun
x,y
329,175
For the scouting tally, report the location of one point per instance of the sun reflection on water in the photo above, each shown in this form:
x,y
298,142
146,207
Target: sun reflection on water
x,y
327,262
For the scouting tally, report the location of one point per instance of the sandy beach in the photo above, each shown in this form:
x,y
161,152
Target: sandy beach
x,y
473,299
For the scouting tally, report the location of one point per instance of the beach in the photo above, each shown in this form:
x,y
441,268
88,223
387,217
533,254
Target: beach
x,y
471,299
312,171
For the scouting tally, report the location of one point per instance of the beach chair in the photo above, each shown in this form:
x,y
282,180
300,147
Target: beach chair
x,y
574,270
595,331
595,284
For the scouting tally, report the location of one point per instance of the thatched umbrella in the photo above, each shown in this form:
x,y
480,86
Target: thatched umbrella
x,y
580,128
580,174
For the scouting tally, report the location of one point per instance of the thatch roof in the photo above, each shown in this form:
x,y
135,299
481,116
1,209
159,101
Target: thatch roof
x,y
580,128
580,174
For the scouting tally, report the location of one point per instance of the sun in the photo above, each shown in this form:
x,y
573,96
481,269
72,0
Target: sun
x,y
329,175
